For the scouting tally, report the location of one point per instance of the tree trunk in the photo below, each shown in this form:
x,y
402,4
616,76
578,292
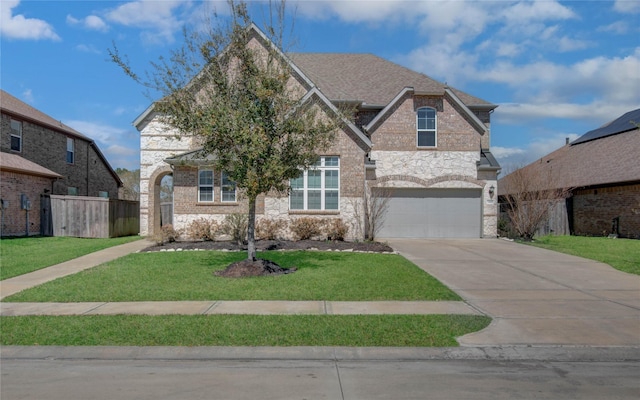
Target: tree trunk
x,y
251,237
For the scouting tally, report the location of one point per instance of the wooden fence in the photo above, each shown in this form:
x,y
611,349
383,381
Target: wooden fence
x,y
94,217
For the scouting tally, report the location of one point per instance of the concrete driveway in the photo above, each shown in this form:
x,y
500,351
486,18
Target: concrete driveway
x,y
535,296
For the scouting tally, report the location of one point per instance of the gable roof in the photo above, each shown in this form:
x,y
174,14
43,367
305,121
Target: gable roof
x,y
624,123
368,78
11,105
610,159
15,163
17,108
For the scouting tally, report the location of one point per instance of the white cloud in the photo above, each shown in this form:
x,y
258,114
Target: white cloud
x,y
88,49
92,22
627,6
101,133
27,95
539,10
156,17
619,27
522,113
511,158
20,27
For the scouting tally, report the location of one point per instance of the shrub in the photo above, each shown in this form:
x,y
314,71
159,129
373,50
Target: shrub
x,y
203,229
167,235
306,228
335,229
270,229
235,225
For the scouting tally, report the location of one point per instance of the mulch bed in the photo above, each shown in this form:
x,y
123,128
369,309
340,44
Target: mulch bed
x,y
260,267
262,245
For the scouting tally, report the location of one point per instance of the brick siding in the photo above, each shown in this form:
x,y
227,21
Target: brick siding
x,y
594,210
14,219
48,148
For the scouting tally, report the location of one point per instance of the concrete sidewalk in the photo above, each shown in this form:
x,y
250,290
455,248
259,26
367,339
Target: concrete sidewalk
x,y
259,307
535,296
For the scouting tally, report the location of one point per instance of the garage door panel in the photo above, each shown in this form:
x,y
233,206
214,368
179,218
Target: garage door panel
x,y
437,213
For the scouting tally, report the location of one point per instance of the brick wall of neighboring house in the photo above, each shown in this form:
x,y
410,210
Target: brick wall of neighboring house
x,y
48,148
594,210
14,219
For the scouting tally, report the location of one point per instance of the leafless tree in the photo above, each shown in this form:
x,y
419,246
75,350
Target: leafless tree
x,y
529,195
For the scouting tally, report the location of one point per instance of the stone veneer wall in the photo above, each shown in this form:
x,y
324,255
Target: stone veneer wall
x,y
439,169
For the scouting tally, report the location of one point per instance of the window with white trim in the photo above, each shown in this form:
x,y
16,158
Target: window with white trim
x,y
227,188
205,185
16,135
427,127
317,188
71,150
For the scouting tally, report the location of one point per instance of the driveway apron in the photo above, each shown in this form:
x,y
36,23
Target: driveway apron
x,y
535,296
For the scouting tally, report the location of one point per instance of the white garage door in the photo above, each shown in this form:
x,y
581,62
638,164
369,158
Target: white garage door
x,y
433,213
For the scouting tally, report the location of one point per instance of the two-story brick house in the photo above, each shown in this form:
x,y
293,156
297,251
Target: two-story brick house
x,y
74,161
426,143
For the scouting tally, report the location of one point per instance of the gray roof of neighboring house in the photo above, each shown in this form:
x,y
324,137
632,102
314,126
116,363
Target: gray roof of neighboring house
x,y
16,107
609,159
15,163
626,122
13,106
368,78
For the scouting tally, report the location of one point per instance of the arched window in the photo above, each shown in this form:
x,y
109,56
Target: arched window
x,y
427,127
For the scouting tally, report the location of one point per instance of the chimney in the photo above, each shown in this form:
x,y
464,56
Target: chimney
x,y
566,141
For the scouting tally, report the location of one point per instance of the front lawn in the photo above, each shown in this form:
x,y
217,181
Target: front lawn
x,y
622,254
22,255
240,330
175,276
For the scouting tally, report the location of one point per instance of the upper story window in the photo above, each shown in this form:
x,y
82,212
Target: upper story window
x,y
228,188
317,188
16,135
205,185
427,127
71,151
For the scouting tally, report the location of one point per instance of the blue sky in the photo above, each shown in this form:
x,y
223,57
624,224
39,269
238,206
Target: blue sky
x,y
556,69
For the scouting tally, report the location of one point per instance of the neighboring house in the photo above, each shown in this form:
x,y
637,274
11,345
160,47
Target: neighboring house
x,y
428,143
22,177
64,161
601,171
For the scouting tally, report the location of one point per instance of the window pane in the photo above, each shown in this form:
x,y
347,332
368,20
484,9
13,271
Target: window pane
x,y
331,179
426,139
331,200
206,177
69,157
297,183
331,161
296,200
313,179
15,143
228,194
314,200
422,123
431,123
206,194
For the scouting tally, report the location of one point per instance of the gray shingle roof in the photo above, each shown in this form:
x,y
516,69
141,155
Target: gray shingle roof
x,y
603,161
625,123
367,78
13,162
12,105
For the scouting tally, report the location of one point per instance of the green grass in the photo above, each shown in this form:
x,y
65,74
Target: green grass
x,y
240,330
22,255
622,254
179,276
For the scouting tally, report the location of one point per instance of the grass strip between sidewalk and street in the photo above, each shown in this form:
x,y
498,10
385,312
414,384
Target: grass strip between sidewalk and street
x,y
22,255
179,276
240,330
621,254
